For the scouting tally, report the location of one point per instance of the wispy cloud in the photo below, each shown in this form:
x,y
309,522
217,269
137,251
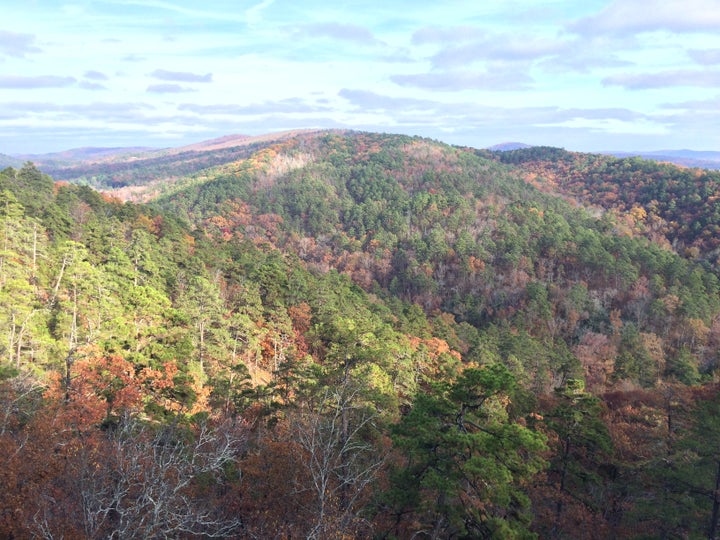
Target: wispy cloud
x,y
710,104
39,81
447,35
628,16
17,45
167,89
254,13
87,85
705,57
337,31
453,81
372,101
181,76
95,75
483,114
133,58
508,48
584,57
665,79
285,106
620,114
463,45
109,112
224,13
557,72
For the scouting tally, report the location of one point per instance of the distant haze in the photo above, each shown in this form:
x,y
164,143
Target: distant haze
x,y
59,163
630,75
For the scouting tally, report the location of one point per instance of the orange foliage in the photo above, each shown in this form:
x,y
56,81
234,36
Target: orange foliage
x,y
100,386
108,198
435,347
597,354
144,222
59,184
301,317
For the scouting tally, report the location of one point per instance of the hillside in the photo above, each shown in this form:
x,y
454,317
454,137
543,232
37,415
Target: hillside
x,y
86,154
684,158
9,161
139,174
444,229
666,203
352,334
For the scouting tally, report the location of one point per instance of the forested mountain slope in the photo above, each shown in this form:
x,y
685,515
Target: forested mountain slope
x,y
667,203
347,334
145,172
8,161
462,235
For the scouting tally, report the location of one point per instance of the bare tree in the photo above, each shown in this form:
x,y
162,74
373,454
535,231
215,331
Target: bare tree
x,y
148,484
341,461
20,397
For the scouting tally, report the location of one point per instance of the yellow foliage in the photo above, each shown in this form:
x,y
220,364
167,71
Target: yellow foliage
x,y
638,213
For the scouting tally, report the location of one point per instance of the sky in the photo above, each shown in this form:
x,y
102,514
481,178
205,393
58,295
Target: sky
x,y
596,75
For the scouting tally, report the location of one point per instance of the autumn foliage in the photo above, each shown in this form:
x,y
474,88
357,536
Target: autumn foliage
x,y
354,335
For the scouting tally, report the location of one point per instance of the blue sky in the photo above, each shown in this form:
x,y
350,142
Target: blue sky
x,y
591,75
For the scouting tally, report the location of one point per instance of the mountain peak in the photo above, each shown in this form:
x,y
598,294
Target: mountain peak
x,y
507,146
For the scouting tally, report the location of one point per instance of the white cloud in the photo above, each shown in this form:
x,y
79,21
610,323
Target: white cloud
x,y
86,85
286,106
95,75
181,76
455,81
665,79
447,35
17,45
628,16
498,47
613,126
557,72
168,89
37,81
254,14
705,57
338,31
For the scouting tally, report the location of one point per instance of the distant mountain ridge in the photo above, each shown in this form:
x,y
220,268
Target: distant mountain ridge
x,y
706,155
507,146
93,154
9,161
86,154
704,159
77,163
137,168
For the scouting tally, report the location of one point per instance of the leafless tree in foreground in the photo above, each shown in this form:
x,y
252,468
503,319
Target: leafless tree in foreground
x,y
155,483
340,460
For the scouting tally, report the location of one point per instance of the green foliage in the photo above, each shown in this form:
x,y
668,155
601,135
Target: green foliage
x,y
467,459
581,462
675,200
454,230
353,279
633,361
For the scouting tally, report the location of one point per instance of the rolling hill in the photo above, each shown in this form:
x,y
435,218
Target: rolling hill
x,y
685,158
368,335
142,170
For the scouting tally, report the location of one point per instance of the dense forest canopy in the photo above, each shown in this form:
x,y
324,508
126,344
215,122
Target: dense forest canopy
x,y
344,334
668,203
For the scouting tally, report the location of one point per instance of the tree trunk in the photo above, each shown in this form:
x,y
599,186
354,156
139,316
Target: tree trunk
x,y
561,487
202,347
34,254
712,533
